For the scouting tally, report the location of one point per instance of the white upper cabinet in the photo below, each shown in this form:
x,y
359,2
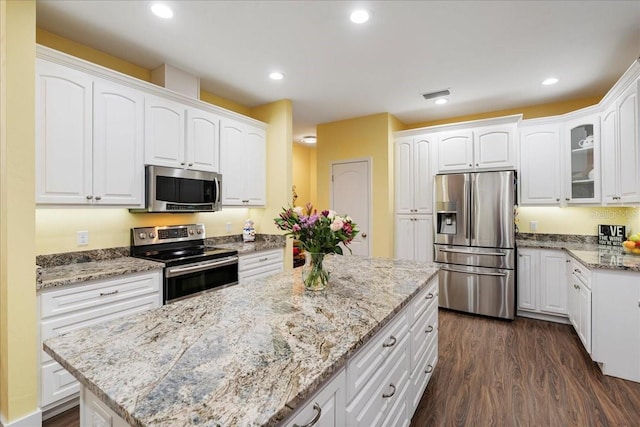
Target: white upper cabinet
x,y
477,149
540,179
414,180
164,132
582,160
118,132
455,151
203,140
620,150
242,164
495,148
89,137
63,134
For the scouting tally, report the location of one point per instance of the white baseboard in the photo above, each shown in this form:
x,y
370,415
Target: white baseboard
x,y
541,316
32,420
60,407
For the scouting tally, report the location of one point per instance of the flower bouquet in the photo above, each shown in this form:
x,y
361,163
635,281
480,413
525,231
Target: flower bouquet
x,y
319,234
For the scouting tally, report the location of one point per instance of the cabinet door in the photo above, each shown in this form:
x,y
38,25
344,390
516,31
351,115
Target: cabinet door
x,y
63,135
404,176
422,176
495,148
203,140
405,237
423,238
326,408
629,166
232,156
527,279
582,165
540,165
610,156
164,132
584,316
455,151
118,132
553,291
255,166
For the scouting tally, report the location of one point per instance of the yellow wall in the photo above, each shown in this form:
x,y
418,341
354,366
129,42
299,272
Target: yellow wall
x,y
304,173
583,220
362,137
530,112
18,343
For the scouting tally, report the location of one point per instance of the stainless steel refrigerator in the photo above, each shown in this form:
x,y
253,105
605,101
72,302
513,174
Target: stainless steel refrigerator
x,y
475,242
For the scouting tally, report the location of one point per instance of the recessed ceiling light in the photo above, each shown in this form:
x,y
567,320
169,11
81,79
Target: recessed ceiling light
x,y
550,81
276,75
162,10
441,101
309,139
360,16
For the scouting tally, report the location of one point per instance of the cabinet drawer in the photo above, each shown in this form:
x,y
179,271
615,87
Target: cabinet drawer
x,y
57,383
399,415
72,321
256,273
425,299
367,360
421,375
423,333
66,300
581,272
382,390
327,405
259,259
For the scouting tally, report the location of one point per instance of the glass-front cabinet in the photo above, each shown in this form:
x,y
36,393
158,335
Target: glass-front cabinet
x,y
582,160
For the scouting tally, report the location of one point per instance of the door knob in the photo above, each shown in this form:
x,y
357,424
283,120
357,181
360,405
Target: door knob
x,y
364,235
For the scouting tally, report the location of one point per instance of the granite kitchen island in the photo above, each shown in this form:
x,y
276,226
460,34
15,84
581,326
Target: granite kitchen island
x,y
246,355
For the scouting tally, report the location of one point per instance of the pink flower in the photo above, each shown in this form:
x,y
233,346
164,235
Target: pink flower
x,y
336,224
296,227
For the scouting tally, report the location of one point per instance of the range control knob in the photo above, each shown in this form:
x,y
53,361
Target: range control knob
x,y
152,235
142,235
191,232
199,230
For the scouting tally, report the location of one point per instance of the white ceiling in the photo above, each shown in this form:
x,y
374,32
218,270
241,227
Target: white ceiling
x,y
492,55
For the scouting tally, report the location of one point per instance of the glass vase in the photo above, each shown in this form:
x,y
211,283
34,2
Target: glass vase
x,y
314,274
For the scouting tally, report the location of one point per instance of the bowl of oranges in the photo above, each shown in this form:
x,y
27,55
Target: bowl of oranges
x,y
632,244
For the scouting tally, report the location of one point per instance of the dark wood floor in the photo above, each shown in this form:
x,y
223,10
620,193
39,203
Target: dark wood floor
x,y
521,373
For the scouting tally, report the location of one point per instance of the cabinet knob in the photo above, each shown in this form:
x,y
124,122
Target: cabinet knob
x,y
477,164
181,163
89,197
98,197
567,199
470,165
557,200
190,164
364,235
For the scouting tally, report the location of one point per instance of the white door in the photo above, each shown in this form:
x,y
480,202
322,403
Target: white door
x,y
164,132
495,148
232,156
455,152
351,195
540,166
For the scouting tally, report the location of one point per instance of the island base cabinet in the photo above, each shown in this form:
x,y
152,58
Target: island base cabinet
x,y
616,323
325,409
94,413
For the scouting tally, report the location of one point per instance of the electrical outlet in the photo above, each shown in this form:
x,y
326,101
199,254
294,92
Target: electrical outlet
x,y
533,226
83,238
227,227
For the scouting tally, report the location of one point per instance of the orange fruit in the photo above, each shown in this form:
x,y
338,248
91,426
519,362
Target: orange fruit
x,y
629,244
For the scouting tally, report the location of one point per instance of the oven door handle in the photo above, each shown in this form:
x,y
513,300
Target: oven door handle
x,y
179,271
476,273
457,251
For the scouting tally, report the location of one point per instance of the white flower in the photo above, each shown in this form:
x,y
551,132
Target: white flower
x,y
348,218
298,210
331,214
336,224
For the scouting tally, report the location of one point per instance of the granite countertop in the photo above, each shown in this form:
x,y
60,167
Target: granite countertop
x,y
244,248
589,254
243,355
67,274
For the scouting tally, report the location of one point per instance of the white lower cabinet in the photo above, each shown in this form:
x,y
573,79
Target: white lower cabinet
x,y
579,292
260,264
325,408
414,237
616,323
94,413
541,283
66,309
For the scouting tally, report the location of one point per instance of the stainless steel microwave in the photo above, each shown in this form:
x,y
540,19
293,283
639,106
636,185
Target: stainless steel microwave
x,y
179,190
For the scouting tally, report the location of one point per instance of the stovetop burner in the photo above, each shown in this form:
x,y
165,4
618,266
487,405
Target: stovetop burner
x,y
174,245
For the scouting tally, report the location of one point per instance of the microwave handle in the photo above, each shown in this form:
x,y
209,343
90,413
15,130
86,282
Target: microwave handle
x,y
217,181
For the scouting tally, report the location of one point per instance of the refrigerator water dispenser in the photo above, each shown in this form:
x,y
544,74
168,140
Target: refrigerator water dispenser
x,y
446,222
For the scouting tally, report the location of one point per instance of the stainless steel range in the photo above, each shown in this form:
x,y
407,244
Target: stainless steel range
x,y
191,267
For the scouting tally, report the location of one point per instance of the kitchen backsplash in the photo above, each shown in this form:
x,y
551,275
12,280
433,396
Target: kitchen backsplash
x,y
570,238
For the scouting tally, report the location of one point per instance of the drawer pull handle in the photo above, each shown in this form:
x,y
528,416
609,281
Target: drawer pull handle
x,y
577,270
429,369
393,391
263,259
429,329
392,343
430,296
104,294
315,419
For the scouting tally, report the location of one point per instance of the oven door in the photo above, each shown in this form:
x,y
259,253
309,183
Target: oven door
x,y
188,280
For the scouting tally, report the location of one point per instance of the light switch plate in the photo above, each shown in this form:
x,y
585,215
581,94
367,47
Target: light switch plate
x,y
227,227
533,226
83,238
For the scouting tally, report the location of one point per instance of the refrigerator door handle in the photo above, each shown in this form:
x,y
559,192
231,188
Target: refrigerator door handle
x,y
477,273
456,251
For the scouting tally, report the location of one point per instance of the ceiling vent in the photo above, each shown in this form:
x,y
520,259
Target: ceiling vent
x,y
438,94
177,80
